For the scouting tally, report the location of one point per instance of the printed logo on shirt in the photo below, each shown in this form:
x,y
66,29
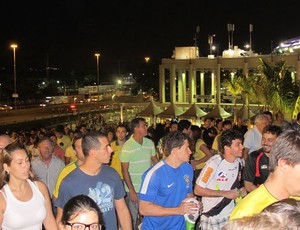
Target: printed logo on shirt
x,y
207,174
103,196
169,185
232,169
222,176
187,180
264,167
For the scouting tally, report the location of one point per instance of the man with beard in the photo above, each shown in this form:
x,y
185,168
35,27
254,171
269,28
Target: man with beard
x,y
256,169
283,181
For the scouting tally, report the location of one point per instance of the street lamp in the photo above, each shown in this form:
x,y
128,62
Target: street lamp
x,y
250,30
210,42
230,29
97,59
15,95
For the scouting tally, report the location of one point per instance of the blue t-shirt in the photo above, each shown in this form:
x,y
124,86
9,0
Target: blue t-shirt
x,y
103,188
167,187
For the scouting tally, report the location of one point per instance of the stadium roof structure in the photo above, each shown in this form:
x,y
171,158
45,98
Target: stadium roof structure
x,y
289,46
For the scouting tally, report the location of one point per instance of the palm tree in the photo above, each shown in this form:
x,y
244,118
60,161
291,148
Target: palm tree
x,y
247,85
234,88
272,85
296,108
267,83
276,88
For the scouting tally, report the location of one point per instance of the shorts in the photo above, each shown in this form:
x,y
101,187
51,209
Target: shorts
x,y
211,223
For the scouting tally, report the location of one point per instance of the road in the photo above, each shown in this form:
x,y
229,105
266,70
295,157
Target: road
x,y
44,113
47,116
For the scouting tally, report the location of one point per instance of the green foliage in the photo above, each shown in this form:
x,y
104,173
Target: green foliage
x,y
275,87
233,86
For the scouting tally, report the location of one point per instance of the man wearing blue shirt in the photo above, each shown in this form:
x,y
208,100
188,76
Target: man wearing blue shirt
x,y
167,185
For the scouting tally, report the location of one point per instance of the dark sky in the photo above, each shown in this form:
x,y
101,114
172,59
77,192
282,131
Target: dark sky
x,y
71,31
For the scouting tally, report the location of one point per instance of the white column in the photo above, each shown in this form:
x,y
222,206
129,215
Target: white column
x,y
192,84
202,85
218,84
213,87
162,86
173,84
180,86
184,86
195,85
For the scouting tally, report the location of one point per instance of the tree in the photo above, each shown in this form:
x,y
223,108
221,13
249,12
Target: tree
x,y
233,86
275,87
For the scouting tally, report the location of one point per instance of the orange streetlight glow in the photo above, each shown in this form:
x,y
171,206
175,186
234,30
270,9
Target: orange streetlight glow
x,y
15,95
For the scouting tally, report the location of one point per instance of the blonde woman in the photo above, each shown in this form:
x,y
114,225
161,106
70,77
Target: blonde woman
x,y
24,202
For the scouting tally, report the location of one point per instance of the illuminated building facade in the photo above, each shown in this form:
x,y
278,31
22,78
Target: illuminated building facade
x,y
198,79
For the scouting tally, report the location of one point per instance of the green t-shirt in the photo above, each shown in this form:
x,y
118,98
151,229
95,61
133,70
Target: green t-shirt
x,y
139,159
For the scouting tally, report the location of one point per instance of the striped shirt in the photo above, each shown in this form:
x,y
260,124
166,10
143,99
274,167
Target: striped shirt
x,y
139,159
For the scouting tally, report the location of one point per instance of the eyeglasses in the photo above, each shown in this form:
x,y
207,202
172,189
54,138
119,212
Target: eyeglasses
x,y
81,226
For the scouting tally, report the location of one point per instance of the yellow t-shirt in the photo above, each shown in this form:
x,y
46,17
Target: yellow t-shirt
x,y
115,161
199,154
254,203
71,153
64,142
215,145
63,173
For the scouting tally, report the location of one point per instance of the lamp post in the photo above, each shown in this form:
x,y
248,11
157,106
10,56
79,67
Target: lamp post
x,y
15,95
230,29
97,59
210,42
250,30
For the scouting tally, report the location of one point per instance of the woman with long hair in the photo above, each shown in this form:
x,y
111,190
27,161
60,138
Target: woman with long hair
x,y
24,201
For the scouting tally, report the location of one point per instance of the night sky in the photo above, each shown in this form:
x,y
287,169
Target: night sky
x,y
69,32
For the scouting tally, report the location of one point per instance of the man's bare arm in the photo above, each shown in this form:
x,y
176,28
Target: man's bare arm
x,y
123,214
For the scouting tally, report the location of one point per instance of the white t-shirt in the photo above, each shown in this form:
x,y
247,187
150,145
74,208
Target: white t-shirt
x,y
252,139
218,174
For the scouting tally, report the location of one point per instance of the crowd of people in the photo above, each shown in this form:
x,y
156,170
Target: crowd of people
x,y
131,176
